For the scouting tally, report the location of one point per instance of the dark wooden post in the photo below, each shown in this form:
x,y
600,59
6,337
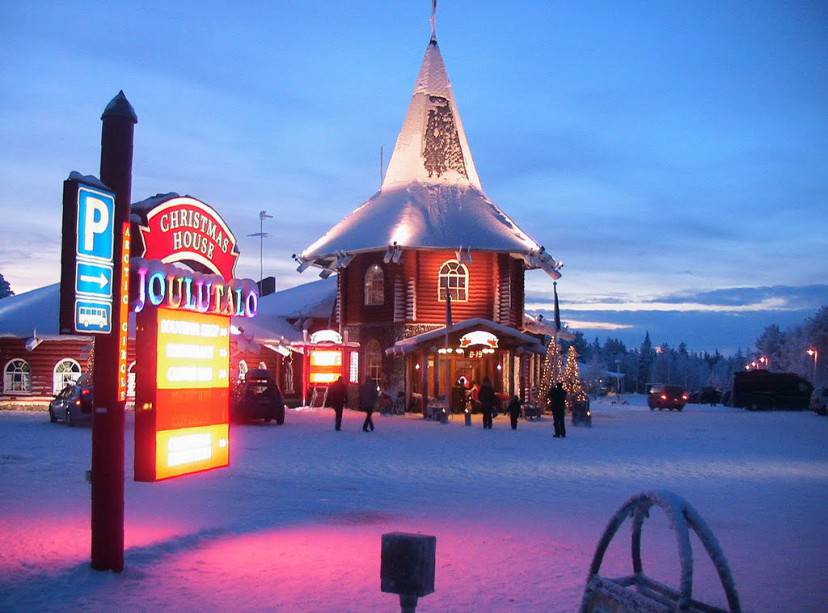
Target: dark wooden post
x,y
119,121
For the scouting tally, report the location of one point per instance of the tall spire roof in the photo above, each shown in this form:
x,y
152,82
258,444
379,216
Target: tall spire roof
x,y
431,197
432,145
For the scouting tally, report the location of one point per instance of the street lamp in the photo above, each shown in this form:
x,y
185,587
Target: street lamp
x,y
814,354
261,234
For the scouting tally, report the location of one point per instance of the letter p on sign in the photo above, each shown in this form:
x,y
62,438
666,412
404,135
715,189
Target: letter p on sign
x,y
96,216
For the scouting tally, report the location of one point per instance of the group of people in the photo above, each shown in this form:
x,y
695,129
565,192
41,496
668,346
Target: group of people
x,y
485,396
368,397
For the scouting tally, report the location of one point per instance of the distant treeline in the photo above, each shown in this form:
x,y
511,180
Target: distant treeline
x,y
783,350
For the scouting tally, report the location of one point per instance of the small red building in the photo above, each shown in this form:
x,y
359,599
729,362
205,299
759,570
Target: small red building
x,y
430,270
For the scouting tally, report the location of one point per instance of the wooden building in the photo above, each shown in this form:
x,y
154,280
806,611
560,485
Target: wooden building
x,y
429,267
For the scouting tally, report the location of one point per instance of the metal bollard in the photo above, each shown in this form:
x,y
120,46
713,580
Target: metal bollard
x,y
444,418
468,417
408,566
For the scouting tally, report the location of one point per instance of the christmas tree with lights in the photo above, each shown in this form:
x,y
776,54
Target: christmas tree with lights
x,y
552,370
571,378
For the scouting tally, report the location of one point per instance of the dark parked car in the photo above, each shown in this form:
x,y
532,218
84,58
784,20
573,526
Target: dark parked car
x,y
672,397
258,397
760,389
73,404
819,400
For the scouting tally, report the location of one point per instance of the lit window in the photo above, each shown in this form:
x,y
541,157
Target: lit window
x,y
374,286
373,361
17,376
454,279
67,371
242,370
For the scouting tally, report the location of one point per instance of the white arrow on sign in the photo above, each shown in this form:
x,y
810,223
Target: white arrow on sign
x,y
101,280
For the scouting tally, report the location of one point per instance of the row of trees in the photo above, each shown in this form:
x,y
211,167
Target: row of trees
x,y
784,350
788,350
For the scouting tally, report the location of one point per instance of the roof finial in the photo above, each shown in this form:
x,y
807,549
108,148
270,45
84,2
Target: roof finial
x,y
434,21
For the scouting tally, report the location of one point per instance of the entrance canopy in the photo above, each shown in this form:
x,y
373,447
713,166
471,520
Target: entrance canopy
x,y
507,338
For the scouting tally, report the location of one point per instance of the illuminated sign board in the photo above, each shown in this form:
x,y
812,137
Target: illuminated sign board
x,y
326,336
123,319
171,287
184,229
325,366
479,337
181,411
87,258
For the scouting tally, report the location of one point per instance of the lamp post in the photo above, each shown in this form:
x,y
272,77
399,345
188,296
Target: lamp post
x,y
814,354
262,235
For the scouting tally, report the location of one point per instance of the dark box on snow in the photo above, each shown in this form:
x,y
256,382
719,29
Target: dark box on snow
x,y
408,562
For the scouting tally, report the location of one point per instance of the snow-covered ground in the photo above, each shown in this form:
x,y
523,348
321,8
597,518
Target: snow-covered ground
x,y
295,523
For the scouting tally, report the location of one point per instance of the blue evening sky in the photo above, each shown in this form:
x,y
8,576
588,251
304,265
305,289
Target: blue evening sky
x,y
673,154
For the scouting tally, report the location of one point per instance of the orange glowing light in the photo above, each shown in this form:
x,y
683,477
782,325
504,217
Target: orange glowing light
x,y
187,450
324,377
193,351
325,358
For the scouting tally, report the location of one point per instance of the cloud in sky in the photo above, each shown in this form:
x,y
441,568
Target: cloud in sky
x,y
648,157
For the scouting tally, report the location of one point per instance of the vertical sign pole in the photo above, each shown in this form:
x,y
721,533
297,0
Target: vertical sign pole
x,y
119,121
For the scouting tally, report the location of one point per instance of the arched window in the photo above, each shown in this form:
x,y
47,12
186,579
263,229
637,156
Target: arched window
x,y
17,376
262,366
373,361
242,370
66,372
454,279
374,286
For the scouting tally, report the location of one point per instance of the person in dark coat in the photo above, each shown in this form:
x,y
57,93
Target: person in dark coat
x,y
514,411
336,399
487,402
557,398
368,401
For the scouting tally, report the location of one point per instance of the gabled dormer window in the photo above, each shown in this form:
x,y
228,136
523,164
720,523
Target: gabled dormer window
x,y
374,286
454,280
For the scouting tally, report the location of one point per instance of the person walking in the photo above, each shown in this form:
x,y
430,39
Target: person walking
x,y
368,395
514,411
557,398
487,402
336,399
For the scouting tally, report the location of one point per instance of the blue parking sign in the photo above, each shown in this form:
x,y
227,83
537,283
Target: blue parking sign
x,y
93,316
96,224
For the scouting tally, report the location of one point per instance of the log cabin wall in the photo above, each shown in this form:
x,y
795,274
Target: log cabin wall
x,y
481,292
42,361
354,309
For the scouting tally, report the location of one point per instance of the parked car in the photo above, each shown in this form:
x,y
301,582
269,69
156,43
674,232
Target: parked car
x,y
672,397
73,404
819,400
760,389
258,397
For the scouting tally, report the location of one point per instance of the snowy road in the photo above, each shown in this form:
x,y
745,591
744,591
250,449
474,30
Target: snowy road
x,y
295,523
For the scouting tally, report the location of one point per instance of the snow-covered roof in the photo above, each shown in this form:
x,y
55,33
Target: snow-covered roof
x,y
315,299
411,343
36,310
431,197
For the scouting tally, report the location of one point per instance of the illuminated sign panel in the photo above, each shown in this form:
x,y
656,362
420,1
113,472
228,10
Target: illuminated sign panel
x,y
182,402
479,337
325,365
193,352
123,316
